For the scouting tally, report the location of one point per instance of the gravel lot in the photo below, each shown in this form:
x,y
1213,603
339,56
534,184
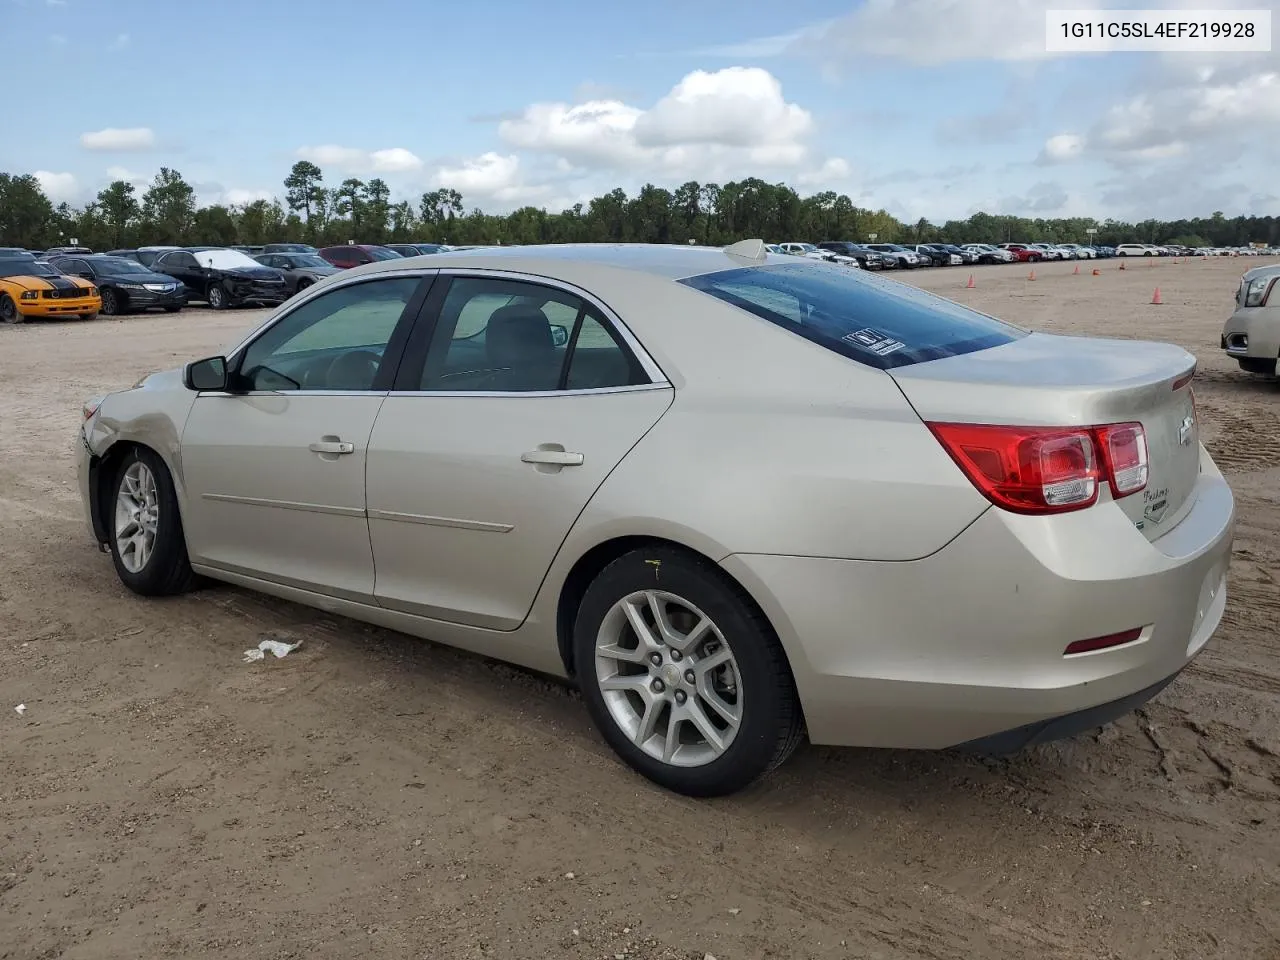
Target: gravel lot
x,y
374,796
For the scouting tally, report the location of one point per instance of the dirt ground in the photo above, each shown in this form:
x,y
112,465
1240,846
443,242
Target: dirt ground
x,y
374,796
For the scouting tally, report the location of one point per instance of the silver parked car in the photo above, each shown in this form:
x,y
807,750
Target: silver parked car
x,y
1251,335
737,496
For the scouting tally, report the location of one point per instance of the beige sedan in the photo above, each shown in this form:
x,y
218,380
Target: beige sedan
x,y
737,497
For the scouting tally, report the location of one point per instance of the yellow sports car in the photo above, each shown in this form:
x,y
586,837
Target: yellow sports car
x,y
30,289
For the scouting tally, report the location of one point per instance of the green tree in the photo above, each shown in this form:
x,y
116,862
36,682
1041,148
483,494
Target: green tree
x,y
377,210
26,215
304,191
169,208
119,210
347,202
440,208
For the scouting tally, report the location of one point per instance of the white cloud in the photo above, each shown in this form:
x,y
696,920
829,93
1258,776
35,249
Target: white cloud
x,y
127,175
58,187
831,172
928,32
1062,148
712,125
493,181
238,197
394,160
354,160
114,139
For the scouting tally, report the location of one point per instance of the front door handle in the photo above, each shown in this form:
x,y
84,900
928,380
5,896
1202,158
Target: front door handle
x,y
332,446
558,458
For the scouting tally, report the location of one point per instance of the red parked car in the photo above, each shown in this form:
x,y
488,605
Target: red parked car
x,y
1024,253
355,254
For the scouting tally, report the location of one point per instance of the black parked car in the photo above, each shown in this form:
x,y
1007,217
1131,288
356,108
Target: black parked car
x,y
867,259
288,248
224,278
300,270
125,284
936,255
967,257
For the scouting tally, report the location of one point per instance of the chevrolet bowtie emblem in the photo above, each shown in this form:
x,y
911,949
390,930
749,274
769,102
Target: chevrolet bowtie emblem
x,y
1184,430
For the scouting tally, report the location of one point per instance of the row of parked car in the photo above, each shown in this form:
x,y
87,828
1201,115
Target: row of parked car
x,y
894,256
168,277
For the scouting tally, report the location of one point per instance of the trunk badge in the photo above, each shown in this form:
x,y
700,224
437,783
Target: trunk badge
x,y
1184,431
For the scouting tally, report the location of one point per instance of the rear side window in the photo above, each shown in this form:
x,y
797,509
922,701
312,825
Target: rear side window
x,y
879,322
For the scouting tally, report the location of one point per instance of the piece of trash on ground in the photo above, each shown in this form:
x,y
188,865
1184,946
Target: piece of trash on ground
x,y
277,647
20,709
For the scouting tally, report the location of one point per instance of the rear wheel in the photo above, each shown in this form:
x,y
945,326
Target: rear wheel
x,y
683,675
147,543
9,310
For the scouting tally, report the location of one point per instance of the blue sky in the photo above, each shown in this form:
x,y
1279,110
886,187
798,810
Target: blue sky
x,y
932,108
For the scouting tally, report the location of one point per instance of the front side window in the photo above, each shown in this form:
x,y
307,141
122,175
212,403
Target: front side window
x,y
878,322
514,337
333,342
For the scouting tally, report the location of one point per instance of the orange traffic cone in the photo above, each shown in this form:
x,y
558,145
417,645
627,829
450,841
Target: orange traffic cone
x,y
969,285
1155,297
1031,275
1121,264
1076,271
1097,272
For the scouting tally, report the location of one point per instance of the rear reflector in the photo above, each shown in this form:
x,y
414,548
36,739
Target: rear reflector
x,y
1103,643
1043,470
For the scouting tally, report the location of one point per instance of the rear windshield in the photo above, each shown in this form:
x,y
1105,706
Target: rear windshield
x,y
879,322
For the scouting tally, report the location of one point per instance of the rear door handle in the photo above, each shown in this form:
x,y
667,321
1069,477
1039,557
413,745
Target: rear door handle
x,y
559,458
332,446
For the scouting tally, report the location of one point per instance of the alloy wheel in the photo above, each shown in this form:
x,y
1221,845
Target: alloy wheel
x,y
668,678
137,517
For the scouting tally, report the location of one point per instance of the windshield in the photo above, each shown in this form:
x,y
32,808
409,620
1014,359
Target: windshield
x,y
382,253
26,268
224,259
881,323
118,265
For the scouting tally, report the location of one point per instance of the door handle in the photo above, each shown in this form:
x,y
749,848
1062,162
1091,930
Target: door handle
x,y
559,458
332,446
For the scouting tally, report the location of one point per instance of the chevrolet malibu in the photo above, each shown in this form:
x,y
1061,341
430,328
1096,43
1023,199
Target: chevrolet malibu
x,y
739,498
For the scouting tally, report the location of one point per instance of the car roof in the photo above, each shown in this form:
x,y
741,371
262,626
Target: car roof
x,y
667,260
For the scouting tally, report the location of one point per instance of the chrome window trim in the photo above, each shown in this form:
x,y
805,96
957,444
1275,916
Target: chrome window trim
x,y
632,388
647,363
298,301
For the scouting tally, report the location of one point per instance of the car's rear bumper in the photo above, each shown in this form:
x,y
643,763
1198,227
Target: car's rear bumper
x,y
1252,332
970,642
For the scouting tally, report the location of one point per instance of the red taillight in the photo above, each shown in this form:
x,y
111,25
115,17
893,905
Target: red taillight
x,y
1124,449
1102,643
1042,470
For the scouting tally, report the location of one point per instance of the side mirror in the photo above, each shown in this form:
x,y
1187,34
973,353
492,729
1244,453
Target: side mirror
x,y
559,335
207,374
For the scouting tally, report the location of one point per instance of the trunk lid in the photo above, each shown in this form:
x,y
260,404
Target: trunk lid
x,y
1061,381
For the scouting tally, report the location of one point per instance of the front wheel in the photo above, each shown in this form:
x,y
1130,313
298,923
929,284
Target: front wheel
x,y
217,297
9,310
683,675
110,303
147,543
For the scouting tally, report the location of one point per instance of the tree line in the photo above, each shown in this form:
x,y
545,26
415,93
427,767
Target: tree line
x,y
166,212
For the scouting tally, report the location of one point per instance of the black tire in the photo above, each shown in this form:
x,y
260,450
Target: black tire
x,y
167,571
216,297
110,302
772,726
1034,258
1147,253
9,312
1260,365
88,316
302,285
